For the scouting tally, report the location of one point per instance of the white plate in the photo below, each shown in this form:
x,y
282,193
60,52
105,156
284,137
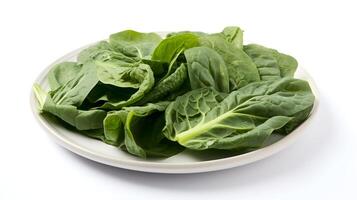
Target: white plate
x,y
185,162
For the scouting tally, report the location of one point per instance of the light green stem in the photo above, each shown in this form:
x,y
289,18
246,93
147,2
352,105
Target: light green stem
x,y
40,94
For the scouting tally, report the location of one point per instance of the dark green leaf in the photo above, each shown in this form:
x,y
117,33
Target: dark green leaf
x,y
168,85
81,119
143,130
206,68
76,90
241,68
196,124
271,64
140,77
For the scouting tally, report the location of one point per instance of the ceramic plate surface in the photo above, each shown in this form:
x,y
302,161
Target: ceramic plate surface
x,y
185,162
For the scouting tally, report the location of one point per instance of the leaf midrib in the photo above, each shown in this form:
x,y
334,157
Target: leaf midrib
x,y
203,126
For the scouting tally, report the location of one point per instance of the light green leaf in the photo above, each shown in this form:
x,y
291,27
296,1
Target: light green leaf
x,y
103,52
170,49
234,35
133,43
62,73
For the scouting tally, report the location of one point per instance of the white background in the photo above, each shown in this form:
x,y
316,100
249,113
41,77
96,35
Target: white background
x,y
321,35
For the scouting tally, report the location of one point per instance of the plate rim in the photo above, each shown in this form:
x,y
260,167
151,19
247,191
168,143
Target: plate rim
x,y
171,168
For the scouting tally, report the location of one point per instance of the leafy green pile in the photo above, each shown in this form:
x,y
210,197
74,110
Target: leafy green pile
x,y
154,97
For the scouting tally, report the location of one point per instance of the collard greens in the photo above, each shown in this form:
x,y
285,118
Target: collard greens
x,y
155,97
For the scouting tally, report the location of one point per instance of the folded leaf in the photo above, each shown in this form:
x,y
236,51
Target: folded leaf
x,y
143,130
140,77
113,125
158,68
76,90
80,119
64,101
167,86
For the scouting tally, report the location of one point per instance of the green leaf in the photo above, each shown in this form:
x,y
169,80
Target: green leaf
x,y
197,33
103,52
196,124
241,68
143,130
166,86
271,64
134,43
76,90
65,100
125,77
102,93
140,77
266,61
170,49
114,127
206,68
234,35
81,119
62,73
287,65
129,141
189,109
95,52
254,138
158,68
